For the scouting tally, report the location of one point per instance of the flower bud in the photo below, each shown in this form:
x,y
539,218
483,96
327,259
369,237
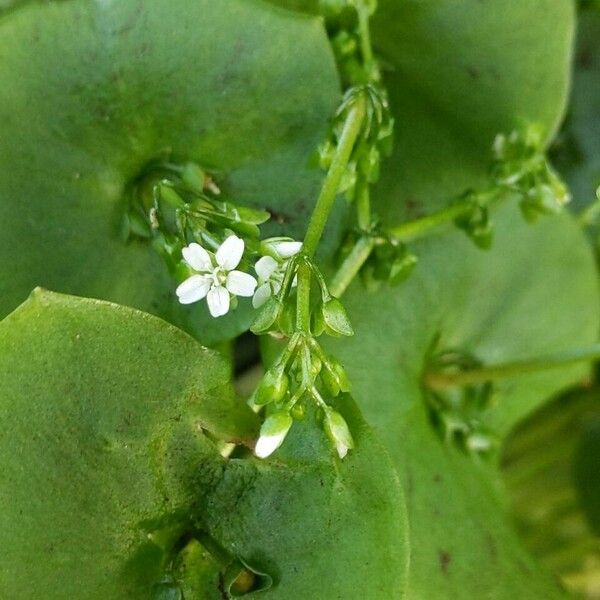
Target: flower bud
x,y
267,316
338,432
334,377
272,388
335,318
281,247
272,433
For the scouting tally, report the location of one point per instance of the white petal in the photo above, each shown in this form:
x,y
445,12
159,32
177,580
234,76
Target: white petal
x,y
342,449
197,257
194,288
240,283
265,267
267,444
262,294
230,252
287,249
218,301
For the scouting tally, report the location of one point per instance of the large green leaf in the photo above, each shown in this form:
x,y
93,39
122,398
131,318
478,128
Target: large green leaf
x,y
92,91
104,466
533,293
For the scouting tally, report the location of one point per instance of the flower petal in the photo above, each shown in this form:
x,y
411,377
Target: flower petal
x,y
218,301
194,288
230,252
197,257
287,249
240,283
262,294
265,267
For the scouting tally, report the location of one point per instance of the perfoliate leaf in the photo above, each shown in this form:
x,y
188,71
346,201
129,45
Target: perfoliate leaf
x,y
83,114
110,488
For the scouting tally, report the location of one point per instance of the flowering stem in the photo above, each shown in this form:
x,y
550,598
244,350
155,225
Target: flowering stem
x,y
439,380
351,265
350,133
331,185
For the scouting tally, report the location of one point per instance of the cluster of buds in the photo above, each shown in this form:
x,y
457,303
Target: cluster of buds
x,y
278,315
176,205
302,373
347,23
375,139
458,412
522,167
476,222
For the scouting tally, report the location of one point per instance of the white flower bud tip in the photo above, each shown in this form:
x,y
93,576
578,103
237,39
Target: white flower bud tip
x,y
272,433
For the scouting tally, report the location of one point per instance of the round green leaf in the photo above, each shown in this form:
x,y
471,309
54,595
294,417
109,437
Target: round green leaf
x,y
91,92
534,292
105,472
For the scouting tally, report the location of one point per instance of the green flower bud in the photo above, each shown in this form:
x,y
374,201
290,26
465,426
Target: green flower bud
x,y
298,411
272,388
273,433
334,377
335,318
267,317
338,432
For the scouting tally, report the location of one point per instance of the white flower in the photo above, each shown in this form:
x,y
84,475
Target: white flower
x,y
215,278
271,271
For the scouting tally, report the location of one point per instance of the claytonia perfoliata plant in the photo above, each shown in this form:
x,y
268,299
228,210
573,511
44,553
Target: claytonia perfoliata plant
x,y
212,244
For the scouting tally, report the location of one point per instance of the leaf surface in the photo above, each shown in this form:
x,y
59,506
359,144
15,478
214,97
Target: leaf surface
x,y
534,292
84,114
105,471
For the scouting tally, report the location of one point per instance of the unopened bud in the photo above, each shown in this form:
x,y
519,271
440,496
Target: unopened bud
x,y
337,430
272,433
335,318
272,388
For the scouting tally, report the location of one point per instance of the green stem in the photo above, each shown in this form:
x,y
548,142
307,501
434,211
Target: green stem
x,y
366,48
411,230
439,380
303,298
351,265
331,185
363,204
